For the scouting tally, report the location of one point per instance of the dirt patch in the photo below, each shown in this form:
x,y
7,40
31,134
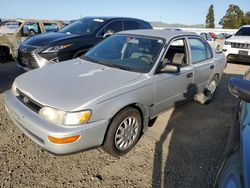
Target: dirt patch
x,y
184,148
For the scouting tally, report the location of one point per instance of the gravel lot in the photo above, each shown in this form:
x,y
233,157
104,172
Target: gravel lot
x,y
184,148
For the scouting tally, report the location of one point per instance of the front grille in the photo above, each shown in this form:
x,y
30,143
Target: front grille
x,y
27,101
240,45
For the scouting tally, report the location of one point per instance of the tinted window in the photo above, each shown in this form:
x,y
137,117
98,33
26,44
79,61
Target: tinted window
x,y
199,50
114,26
130,25
132,53
244,31
50,27
84,26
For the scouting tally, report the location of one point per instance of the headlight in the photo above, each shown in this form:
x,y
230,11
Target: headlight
x,y
227,43
13,89
65,118
55,49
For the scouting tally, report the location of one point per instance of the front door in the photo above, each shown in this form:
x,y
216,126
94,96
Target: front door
x,y
171,89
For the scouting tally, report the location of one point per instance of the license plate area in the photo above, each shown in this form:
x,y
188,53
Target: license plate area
x,y
243,52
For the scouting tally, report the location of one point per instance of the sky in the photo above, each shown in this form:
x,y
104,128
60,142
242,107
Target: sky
x,y
169,11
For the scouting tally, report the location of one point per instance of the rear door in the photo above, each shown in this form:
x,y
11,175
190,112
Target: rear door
x,y
201,57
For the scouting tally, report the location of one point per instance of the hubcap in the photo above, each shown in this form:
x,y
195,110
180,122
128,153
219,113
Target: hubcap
x,y
126,133
211,89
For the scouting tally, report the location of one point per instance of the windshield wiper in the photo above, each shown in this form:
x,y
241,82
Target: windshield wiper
x,y
114,65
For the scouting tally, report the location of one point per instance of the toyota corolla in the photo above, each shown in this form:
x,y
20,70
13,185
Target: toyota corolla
x,y
109,96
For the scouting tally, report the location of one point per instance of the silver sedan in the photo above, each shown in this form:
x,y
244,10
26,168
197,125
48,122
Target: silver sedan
x,y
114,92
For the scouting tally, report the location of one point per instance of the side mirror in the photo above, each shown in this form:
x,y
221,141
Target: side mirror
x,y
240,88
170,68
108,33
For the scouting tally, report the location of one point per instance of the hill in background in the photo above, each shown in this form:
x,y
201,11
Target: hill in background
x,y
162,24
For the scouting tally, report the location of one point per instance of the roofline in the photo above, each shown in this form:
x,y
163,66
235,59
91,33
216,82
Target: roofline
x,y
112,17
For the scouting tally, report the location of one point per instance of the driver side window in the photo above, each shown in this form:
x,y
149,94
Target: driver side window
x,y
177,53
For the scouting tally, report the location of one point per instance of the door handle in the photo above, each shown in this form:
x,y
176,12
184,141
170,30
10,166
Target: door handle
x,y
212,67
189,75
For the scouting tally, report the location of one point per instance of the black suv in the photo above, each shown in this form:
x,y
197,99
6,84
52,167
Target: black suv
x,y
72,41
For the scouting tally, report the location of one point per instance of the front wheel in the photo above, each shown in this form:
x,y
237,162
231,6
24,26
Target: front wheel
x,y
124,132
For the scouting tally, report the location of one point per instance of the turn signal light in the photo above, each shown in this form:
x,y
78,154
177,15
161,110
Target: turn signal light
x,y
65,140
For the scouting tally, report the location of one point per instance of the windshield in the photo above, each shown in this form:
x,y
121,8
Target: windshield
x,y
132,53
244,31
84,26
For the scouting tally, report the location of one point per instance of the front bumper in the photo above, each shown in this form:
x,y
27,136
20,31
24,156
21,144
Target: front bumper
x,y
236,54
38,129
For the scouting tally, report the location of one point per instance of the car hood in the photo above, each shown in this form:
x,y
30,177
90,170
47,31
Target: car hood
x,y
73,84
239,39
45,39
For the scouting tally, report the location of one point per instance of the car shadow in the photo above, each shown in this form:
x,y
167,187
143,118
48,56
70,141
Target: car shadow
x,y
198,137
8,73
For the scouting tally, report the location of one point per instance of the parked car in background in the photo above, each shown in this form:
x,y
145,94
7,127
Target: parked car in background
x,y
212,35
223,36
14,32
237,47
69,106
73,40
215,45
235,170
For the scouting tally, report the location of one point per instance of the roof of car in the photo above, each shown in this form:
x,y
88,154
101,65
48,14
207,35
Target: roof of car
x,y
111,18
159,33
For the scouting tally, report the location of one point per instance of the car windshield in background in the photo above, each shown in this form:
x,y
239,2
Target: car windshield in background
x,y
244,31
132,53
10,26
84,26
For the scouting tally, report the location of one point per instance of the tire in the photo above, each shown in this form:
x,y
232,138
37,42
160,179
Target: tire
x,y
207,95
120,137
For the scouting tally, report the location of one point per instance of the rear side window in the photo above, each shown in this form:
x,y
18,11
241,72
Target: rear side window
x,y
130,25
199,50
115,26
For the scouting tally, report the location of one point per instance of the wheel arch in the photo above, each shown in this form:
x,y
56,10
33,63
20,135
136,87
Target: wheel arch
x,y
142,110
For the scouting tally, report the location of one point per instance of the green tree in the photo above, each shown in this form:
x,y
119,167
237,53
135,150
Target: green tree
x,y
233,19
210,17
247,18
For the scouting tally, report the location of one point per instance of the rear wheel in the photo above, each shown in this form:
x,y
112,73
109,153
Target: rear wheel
x,y
208,94
124,132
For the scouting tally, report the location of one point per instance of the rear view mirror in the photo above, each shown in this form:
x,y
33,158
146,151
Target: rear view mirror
x,y
240,88
108,33
170,68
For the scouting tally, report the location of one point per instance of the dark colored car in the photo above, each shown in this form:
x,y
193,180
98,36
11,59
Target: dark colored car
x,y
73,40
235,170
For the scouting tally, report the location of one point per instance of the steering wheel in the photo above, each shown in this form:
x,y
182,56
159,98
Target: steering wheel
x,y
145,58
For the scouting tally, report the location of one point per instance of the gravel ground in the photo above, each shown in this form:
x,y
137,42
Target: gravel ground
x,y
184,148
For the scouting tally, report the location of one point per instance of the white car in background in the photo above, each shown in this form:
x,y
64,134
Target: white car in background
x,y
215,45
237,47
